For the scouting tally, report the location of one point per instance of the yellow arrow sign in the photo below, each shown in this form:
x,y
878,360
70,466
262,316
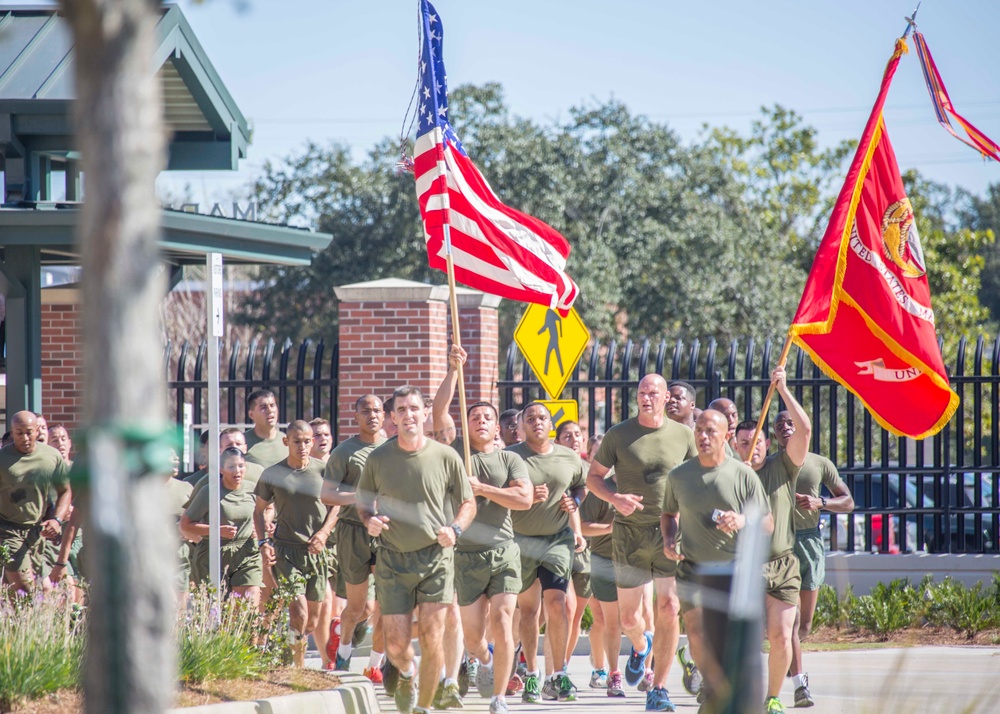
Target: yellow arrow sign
x,y
551,344
561,410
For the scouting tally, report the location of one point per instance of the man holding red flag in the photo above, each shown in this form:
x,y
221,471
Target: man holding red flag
x,y
865,316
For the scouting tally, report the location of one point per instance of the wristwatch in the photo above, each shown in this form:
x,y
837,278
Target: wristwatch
x,y
823,502
458,530
265,541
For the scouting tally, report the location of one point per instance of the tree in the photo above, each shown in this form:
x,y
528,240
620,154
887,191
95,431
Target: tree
x,y
118,122
953,253
983,216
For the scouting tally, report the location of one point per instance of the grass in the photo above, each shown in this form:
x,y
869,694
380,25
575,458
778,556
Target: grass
x,y
41,647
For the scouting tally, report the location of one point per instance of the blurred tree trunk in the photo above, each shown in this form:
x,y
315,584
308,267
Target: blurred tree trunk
x,y
119,127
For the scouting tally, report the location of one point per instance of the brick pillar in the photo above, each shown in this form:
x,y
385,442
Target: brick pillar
x,y
395,332
62,358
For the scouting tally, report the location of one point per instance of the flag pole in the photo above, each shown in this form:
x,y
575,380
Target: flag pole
x,y
456,337
767,400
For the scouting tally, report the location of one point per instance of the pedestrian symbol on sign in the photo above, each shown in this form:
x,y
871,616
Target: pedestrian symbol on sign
x,y
553,325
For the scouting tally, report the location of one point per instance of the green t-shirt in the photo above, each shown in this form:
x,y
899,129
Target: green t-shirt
x,y
344,468
299,512
642,457
236,509
420,491
492,525
177,494
595,510
250,479
194,477
730,451
696,492
815,472
266,452
561,470
25,480
778,475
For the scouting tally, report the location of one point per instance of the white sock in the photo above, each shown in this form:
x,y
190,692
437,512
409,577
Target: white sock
x,y
799,680
645,648
336,628
375,659
450,681
497,698
532,674
487,665
409,673
345,651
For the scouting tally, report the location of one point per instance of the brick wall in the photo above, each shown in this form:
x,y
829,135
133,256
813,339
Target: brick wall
x,y
395,332
62,357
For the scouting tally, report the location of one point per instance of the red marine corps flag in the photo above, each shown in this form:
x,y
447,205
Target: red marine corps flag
x,y
865,315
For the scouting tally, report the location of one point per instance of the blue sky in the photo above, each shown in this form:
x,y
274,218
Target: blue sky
x,y
338,70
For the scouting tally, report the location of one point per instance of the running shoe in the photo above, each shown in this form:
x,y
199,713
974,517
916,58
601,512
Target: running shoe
x,y
498,706
374,675
550,690
615,688
522,665
599,679
465,674
567,690
484,681
451,697
803,698
405,695
361,631
646,683
658,700
691,676
333,644
329,666
390,677
773,706
532,690
635,668
341,663
514,685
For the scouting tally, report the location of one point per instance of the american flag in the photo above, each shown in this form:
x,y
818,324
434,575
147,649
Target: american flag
x,y
494,248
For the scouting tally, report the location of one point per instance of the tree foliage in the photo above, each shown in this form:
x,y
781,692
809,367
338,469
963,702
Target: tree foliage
x,y
709,238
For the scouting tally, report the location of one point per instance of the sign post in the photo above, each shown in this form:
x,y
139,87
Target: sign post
x,y
552,345
214,308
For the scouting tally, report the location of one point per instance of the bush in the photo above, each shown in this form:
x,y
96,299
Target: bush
x,y
887,609
41,646
215,640
831,611
971,610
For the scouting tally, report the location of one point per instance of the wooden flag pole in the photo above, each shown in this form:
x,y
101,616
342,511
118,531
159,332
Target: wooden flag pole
x,y
767,400
456,335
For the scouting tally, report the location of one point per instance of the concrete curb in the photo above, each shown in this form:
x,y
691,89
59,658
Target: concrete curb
x,y
355,695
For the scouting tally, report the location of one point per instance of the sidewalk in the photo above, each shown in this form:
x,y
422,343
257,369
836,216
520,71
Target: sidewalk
x,y
933,680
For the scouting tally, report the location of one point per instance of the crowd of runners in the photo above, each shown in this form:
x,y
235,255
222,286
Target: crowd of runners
x,y
386,535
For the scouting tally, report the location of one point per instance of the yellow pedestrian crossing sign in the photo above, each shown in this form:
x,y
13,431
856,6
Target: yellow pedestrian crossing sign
x,y
551,344
561,410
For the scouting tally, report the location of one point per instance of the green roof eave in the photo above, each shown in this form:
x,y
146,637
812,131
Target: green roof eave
x,y
185,237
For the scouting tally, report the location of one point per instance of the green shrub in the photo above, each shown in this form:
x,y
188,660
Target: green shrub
x,y
215,640
887,609
41,646
971,610
832,611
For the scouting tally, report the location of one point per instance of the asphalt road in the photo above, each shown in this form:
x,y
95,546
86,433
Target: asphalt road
x,y
929,680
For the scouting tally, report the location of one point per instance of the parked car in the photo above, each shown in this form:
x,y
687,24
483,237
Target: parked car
x,y
926,537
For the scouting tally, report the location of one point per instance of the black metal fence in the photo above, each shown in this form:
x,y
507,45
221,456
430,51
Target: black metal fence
x,y
939,494
303,378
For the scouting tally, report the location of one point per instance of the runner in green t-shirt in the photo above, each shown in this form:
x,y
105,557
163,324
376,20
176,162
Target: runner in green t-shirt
x,y
487,561
265,445
414,496
816,472
709,498
548,535
28,469
297,550
240,561
778,473
727,407
642,450
355,548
